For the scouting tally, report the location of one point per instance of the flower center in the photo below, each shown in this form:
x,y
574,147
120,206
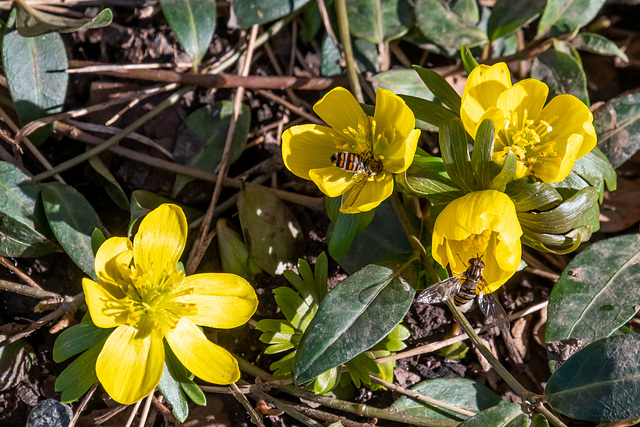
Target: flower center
x,y
527,139
479,242
151,302
362,144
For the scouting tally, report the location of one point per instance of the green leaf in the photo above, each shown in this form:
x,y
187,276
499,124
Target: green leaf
x,y
508,172
379,21
346,228
443,26
428,178
597,171
617,124
556,243
79,376
34,68
72,220
459,392
170,389
468,60
507,16
201,139
293,307
365,55
562,218
111,185
97,239
566,16
327,381
428,111
601,382
252,12
194,22
600,45
270,229
484,168
539,421
440,88
562,73
77,339
20,224
528,194
36,22
355,315
508,415
598,292
143,202
183,377
402,81
455,154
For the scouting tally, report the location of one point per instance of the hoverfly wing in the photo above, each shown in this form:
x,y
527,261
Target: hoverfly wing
x,y
350,197
494,311
441,291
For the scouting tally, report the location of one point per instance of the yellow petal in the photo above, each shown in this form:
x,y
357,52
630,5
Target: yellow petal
x,y
523,101
98,298
393,119
569,116
106,266
308,147
501,262
483,87
368,195
130,367
398,156
223,300
332,180
203,358
339,109
556,169
160,240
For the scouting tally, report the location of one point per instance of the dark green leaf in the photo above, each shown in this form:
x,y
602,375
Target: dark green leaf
x,y
77,339
539,421
508,172
72,220
270,229
566,16
36,22
562,73
365,55
194,22
600,45
507,16
34,68
111,185
459,392
171,391
507,415
355,315
440,88
598,292
562,218
251,12
143,202
347,227
428,111
312,22
601,382
484,168
20,226
402,81
529,194
79,376
455,153
201,139
444,27
97,239
556,243
428,178
597,171
379,21
15,362
617,124
180,374
468,61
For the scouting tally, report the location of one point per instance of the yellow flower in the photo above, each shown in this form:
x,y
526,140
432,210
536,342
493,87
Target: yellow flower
x,y
482,223
546,139
142,294
380,146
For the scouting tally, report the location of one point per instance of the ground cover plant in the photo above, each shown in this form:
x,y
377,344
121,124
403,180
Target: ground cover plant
x,y
346,212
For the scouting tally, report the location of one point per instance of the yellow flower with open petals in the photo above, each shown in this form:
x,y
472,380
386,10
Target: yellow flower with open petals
x,y
142,294
546,139
481,223
356,156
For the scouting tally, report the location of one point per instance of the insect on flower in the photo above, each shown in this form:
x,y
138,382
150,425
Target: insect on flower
x,y
463,288
356,163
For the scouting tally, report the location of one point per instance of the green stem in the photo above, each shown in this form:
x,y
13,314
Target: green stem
x,y
345,37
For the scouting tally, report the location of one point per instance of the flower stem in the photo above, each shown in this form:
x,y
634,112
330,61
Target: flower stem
x,y
345,37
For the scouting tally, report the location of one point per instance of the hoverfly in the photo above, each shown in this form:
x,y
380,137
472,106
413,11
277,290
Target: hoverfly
x,y
357,163
462,287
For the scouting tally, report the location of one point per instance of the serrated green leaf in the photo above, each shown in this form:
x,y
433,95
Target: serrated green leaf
x,y
440,88
562,73
597,293
193,22
455,154
79,376
443,26
252,12
566,16
35,22
77,339
601,382
459,392
33,67
617,124
600,45
507,16
379,21
508,415
72,220
355,315
528,194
